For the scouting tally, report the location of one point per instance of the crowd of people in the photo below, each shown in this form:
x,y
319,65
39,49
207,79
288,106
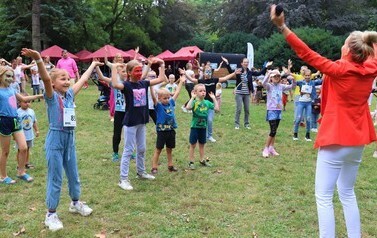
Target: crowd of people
x,y
140,93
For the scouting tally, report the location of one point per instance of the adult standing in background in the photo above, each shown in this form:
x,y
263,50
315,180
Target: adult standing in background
x,y
346,124
244,90
70,65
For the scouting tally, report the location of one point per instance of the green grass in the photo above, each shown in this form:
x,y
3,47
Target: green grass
x,y
241,195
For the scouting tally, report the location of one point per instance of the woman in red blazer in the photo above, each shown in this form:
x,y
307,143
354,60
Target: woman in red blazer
x,y
346,124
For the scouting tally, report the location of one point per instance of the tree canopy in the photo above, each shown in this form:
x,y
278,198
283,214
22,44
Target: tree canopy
x,y
156,25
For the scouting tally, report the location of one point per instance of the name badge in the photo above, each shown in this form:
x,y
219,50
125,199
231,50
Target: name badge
x,y
306,89
69,117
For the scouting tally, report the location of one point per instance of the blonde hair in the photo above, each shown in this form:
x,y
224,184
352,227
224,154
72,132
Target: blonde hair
x,y
199,85
360,45
4,69
163,92
54,73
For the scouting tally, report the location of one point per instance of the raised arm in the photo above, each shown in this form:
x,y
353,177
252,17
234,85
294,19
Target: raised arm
x,y
229,76
189,103
265,83
216,104
183,72
153,95
176,93
41,69
101,76
161,75
114,77
218,68
84,78
22,98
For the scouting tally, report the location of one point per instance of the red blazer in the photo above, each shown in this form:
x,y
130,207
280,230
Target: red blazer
x,y
346,87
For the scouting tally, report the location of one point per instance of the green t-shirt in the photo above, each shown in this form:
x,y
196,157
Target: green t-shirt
x,y
200,113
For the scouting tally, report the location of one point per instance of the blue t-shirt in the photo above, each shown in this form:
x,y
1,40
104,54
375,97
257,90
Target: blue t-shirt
x,y
165,116
8,102
136,95
28,119
55,108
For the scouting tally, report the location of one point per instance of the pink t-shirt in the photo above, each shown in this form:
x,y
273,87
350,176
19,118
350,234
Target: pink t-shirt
x,y
68,64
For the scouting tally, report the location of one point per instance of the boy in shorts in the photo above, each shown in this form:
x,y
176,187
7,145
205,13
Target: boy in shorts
x,y
198,131
165,125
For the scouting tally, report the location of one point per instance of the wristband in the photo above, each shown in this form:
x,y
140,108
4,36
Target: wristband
x,y
282,27
39,61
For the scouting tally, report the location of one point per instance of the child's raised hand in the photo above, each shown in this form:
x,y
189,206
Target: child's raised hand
x,y
182,79
30,53
193,94
211,95
95,62
182,71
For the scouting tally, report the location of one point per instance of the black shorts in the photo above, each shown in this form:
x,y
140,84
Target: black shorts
x,y
165,137
198,135
9,125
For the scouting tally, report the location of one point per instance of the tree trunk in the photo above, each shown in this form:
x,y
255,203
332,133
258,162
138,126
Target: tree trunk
x,y
36,25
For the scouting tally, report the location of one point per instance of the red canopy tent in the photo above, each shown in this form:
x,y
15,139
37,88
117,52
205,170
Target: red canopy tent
x,y
133,52
82,54
186,53
55,53
166,55
111,52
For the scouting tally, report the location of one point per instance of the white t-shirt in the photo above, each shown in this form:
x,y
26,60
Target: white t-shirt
x,y
35,79
191,74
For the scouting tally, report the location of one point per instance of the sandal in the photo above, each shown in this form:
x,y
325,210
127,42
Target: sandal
x,y
29,166
7,180
25,177
172,169
154,171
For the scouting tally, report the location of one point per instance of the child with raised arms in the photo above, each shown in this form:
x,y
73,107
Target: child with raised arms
x,y
10,124
135,93
60,140
198,131
166,123
275,91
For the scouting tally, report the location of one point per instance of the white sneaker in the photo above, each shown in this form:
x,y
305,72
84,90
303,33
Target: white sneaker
x,y
375,154
211,139
125,184
81,208
236,127
146,176
315,130
248,127
53,223
184,108
295,138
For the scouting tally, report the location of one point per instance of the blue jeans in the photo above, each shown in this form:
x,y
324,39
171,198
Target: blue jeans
x,y
211,115
35,89
300,108
61,153
134,136
314,120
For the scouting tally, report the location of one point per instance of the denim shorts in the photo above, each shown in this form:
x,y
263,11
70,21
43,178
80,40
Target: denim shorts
x,y
9,125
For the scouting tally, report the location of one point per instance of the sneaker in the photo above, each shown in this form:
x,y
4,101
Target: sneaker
x,y
53,222
236,127
192,166
248,127
205,163
115,157
265,152
272,151
315,130
172,169
189,111
375,154
184,108
295,137
211,139
81,208
145,176
125,184
307,137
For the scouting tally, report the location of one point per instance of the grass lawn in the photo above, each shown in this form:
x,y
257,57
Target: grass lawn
x,y
242,195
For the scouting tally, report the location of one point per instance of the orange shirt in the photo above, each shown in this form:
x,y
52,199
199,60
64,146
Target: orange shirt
x,y
346,87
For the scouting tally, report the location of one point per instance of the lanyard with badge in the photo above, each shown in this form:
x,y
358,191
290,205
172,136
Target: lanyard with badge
x,y
69,116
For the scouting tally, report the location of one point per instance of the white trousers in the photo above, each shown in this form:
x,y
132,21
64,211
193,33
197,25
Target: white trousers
x,y
337,165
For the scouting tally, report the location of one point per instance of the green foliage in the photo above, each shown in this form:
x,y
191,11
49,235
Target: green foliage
x,y
236,42
320,40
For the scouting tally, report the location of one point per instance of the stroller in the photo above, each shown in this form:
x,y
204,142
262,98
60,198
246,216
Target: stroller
x,y
104,97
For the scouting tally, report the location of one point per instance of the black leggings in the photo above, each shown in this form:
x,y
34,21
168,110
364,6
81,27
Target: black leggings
x,y
118,125
189,87
274,124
